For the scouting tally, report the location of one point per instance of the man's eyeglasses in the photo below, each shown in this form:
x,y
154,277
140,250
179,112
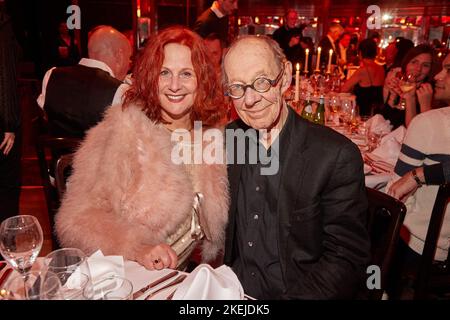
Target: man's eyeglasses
x,y
261,85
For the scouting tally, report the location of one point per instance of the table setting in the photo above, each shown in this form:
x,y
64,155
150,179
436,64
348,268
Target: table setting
x,y
379,145
68,274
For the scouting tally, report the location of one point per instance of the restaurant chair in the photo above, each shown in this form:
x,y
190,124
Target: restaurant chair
x,y
433,278
49,149
385,219
63,167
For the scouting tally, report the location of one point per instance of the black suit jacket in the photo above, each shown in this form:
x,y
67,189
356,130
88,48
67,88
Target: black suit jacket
x,y
322,237
208,23
326,45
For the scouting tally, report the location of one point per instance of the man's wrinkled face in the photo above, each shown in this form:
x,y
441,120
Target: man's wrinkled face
x,y
247,61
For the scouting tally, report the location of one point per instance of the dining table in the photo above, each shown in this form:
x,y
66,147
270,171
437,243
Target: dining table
x,y
154,281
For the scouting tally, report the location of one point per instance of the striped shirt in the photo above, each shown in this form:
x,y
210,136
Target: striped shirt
x,y
427,141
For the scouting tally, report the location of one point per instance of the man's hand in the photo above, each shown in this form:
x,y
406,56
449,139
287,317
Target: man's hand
x,y
403,187
7,143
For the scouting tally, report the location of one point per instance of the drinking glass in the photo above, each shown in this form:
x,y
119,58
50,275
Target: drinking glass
x,y
407,83
334,107
32,285
21,241
114,288
71,266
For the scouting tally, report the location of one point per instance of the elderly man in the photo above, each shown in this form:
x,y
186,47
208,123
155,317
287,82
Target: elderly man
x,y
215,19
329,42
74,98
288,37
297,231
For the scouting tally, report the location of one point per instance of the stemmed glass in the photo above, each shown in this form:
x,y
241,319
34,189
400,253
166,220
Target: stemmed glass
x,y
72,269
407,83
21,241
35,285
334,107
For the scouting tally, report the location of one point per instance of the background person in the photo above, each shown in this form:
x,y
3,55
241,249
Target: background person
x,y
427,141
419,63
215,19
10,124
74,98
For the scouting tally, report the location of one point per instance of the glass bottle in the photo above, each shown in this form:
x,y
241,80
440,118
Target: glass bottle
x,y
307,112
319,115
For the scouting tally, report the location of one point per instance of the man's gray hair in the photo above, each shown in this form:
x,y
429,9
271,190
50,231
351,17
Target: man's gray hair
x,y
280,58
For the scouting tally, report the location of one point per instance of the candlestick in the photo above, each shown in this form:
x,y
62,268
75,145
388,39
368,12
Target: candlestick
x,y
319,49
329,61
297,82
306,60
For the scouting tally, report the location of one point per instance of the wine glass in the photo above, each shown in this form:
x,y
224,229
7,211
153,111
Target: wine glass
x,y
407,83
114,287
21,241
71,266
334,103
32,285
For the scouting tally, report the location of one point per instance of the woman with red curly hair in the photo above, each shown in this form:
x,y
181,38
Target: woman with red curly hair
x,y
128,195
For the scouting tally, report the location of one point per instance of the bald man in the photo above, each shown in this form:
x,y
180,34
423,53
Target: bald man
x,y
74,98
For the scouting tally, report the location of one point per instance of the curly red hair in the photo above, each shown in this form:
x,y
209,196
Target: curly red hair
x,y
209,102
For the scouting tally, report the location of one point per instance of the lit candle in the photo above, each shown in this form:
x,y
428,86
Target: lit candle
x,y
319,49
297,82
329,61
306,60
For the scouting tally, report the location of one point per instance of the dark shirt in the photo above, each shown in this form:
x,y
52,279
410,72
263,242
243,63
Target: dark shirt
x,y
368,98
283,36
326,45
258,265
76,98
438,173
208,23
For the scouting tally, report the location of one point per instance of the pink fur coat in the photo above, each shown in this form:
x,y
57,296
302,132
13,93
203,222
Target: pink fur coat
x,y
125,191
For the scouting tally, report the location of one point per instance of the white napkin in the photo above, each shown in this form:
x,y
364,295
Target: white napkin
x,y
102,267
378,125
206,283
390,146
398,135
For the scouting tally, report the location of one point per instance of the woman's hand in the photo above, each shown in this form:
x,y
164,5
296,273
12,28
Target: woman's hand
x,y
424,96
409,95
157,257
393,83
7,143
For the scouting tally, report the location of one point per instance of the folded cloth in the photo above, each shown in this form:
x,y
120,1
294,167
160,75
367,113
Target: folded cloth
x,y
206,283
378,125
102,267
378,164
388,152
398,135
